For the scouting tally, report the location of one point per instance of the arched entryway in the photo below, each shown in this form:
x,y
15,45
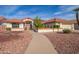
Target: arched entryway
x,y
28,23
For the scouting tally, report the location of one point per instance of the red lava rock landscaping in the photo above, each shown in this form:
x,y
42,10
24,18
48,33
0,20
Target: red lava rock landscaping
x,y
64,43
14,42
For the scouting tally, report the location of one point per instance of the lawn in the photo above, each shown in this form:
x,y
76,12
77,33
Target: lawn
x,y
14,42
64,43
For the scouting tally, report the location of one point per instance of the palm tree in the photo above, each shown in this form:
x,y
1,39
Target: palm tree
x,y
77,15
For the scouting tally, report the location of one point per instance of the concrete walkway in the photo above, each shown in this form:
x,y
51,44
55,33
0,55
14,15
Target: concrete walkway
x,y
40,44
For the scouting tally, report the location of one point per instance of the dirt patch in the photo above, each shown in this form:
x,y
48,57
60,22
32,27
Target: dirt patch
x,y
64,43
8,36
14,42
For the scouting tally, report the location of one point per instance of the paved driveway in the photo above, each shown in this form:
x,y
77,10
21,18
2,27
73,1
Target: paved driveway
x,y
40,44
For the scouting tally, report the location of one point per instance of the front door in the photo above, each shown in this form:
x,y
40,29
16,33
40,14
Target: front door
x,y
28,25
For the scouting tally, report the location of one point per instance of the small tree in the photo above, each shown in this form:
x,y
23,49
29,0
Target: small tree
x,y
37,22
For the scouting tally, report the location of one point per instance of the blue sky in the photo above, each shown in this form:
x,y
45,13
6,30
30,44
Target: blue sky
x,y
45,12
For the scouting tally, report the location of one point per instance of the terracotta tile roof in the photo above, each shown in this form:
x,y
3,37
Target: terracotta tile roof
x,y
59,20
14,21
54,20
2,19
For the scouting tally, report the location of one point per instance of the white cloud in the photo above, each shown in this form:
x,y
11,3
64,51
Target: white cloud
x,y
65,9
68,8
57,13
67,16
23,12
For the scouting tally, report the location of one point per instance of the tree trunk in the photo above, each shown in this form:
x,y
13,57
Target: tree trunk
x,y
77,17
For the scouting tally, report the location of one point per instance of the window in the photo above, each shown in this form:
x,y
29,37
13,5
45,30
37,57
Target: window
x,y
15,25
0,23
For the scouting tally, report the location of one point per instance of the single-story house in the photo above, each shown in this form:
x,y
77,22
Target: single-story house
x,y
16,25
62,24
27,23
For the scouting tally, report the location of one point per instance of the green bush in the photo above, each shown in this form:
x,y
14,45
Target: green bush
x,y
8,29
66,31
38,23
56,26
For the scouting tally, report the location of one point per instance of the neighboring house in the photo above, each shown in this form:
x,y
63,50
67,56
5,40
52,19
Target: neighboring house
x,y
17,25
63,24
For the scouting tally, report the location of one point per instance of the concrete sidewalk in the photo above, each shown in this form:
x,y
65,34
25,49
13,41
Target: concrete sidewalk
x,y
40,44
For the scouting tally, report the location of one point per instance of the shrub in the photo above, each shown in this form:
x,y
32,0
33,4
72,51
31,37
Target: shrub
x,y
8,29
38,23
56,26
66,31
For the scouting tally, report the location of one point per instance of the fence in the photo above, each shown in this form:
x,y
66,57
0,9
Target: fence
x,y
50,30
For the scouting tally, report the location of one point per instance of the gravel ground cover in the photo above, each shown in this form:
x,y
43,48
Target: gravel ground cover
x,y
14,42
64,43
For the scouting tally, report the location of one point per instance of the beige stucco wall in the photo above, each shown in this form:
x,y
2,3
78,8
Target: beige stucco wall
x,y
21,26
63,26
8,25
67,26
